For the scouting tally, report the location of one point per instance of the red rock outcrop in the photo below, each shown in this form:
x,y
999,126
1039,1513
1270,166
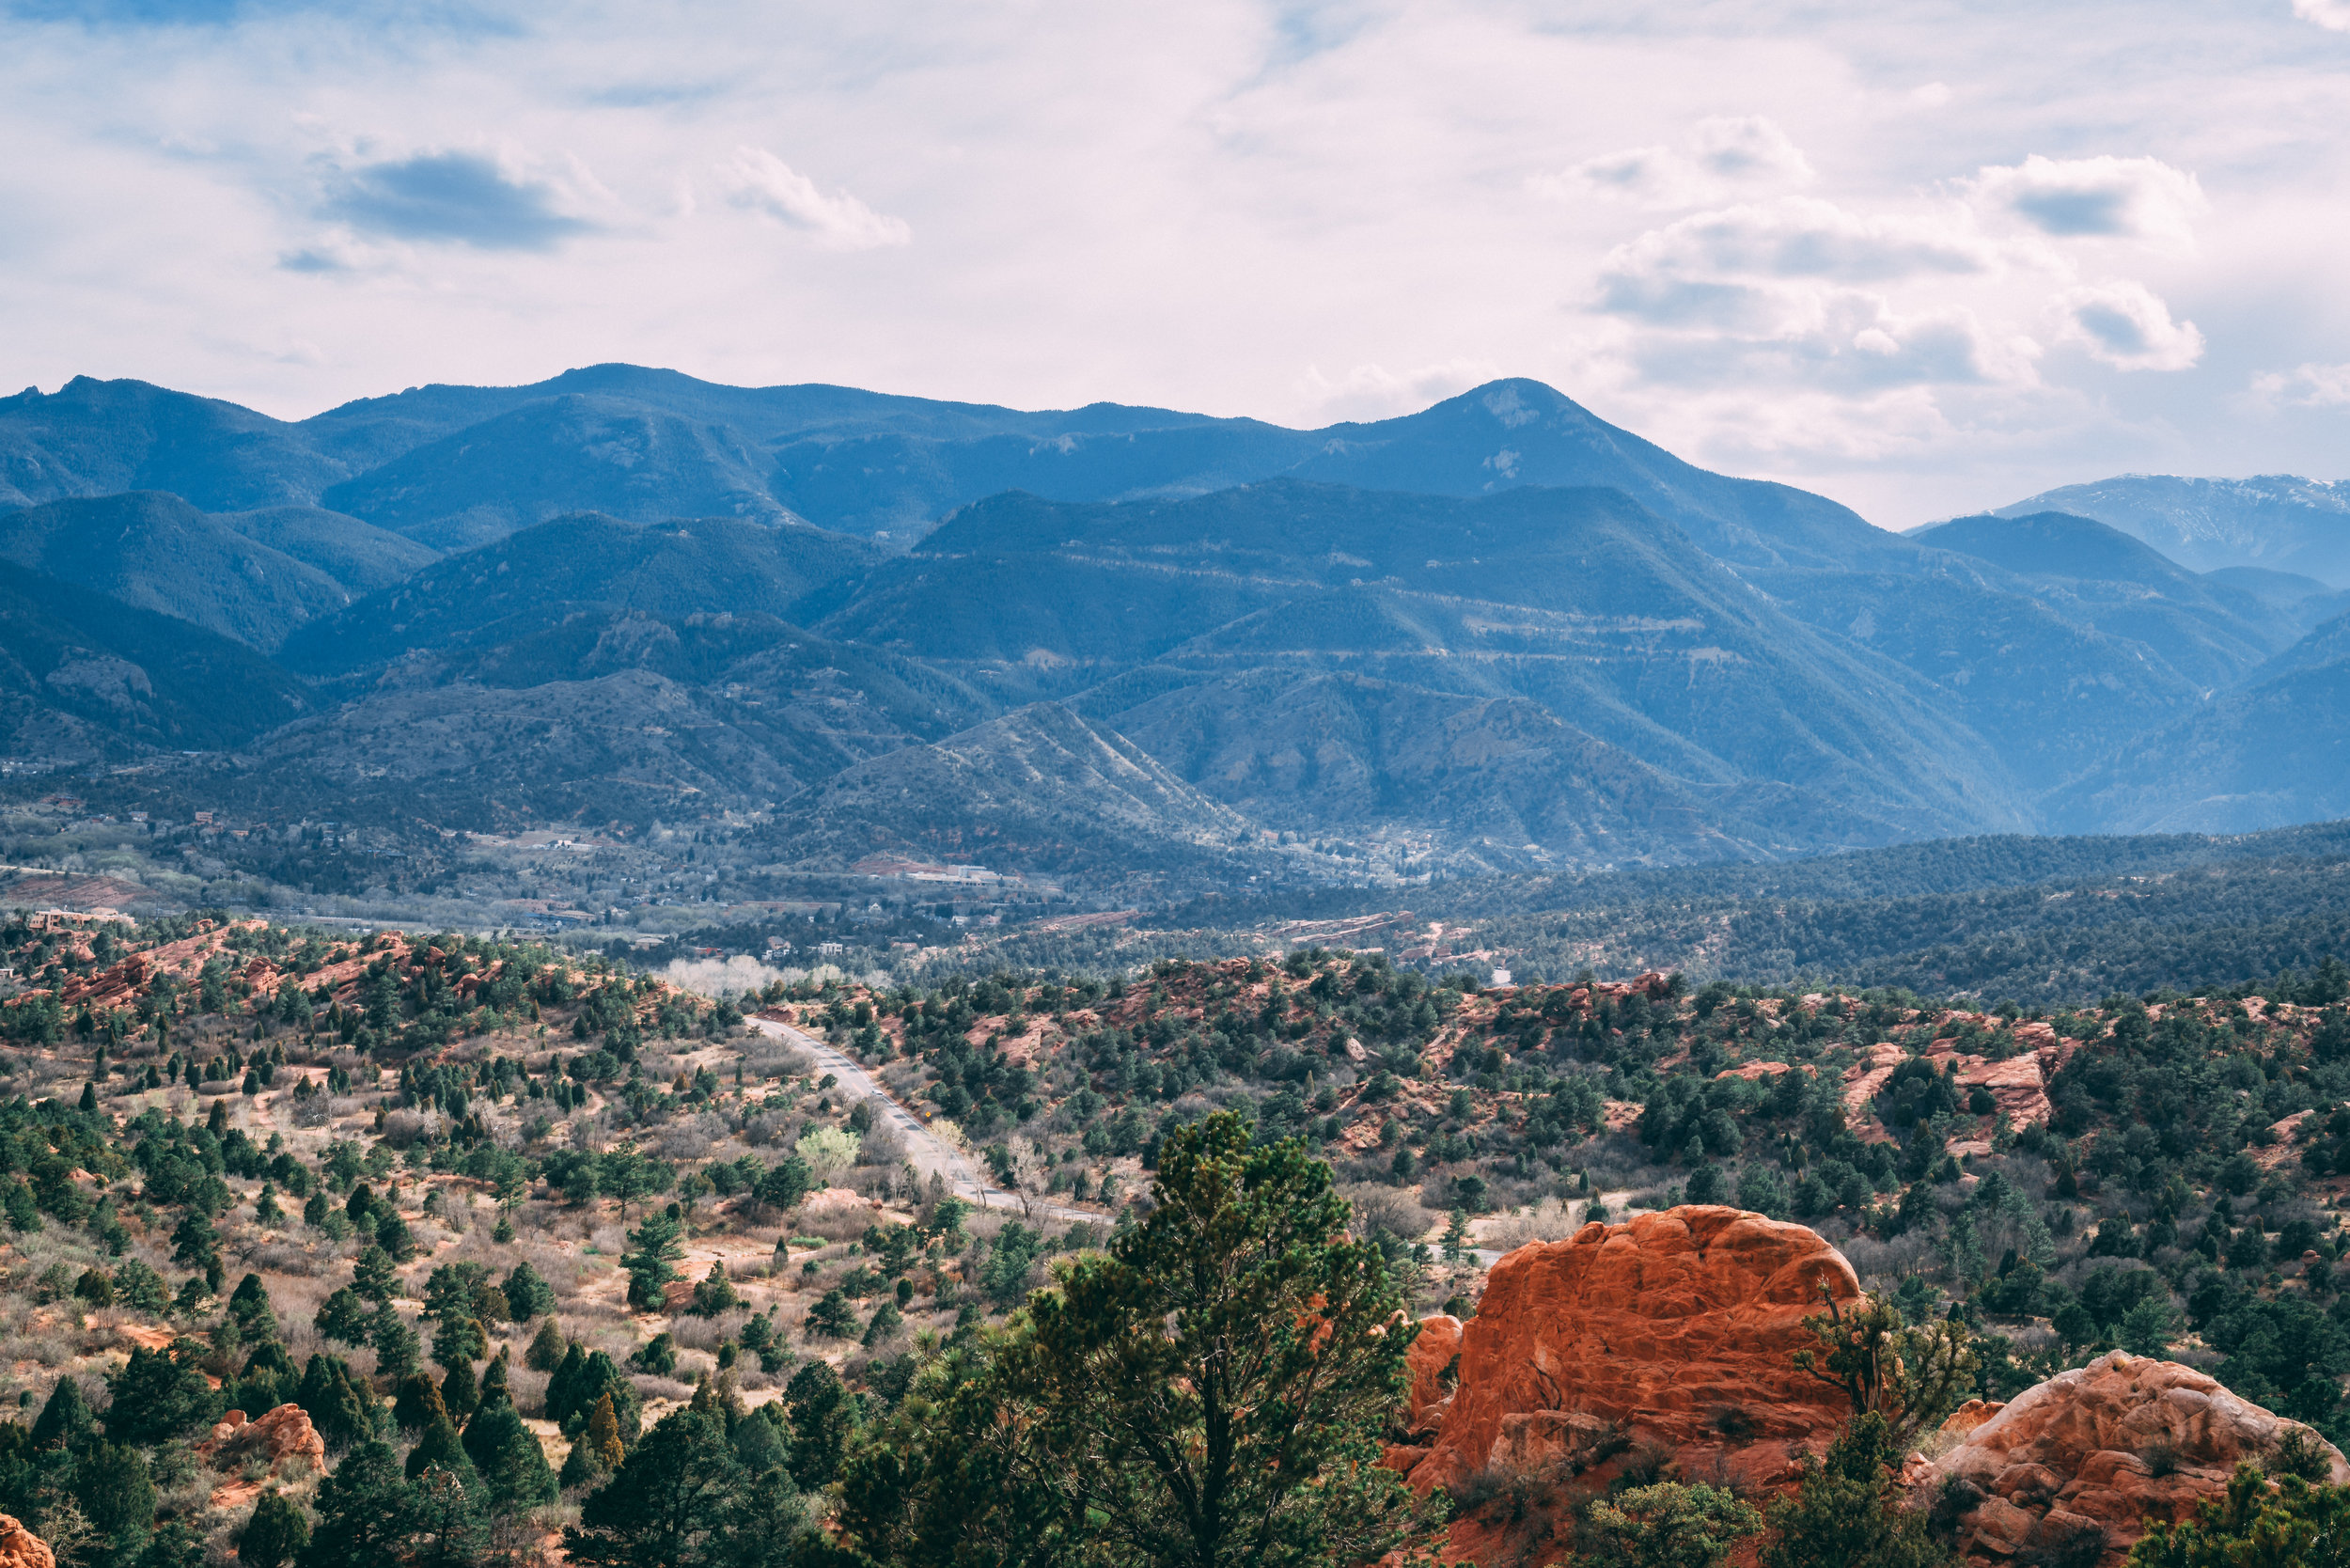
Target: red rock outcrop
x,y
1432,1354
1677,1329
2101,1451
279,1436
21,1549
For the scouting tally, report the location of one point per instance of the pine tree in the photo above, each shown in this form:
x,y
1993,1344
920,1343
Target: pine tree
x,y
116,1493
495,1378
682,1500
371,1276
580,1466
459,1394
563,1391
66,1420
652,1262
527,1295
441,1446
603,1432
274,1535
508,1457
362,1509
417,1404
546,1348
823,1416
344,1411
156,1399
394,1342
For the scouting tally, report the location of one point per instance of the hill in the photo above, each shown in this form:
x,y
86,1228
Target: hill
x,y
86,678
157,553
533,579
2276,521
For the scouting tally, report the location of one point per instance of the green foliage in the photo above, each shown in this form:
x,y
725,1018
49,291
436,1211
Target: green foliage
x,y
508,1457
823,1415
1848,1512
1671,1526
2291,1525
276,1534
1210,1391
682,1500
1911,1378
651,1260
154,1398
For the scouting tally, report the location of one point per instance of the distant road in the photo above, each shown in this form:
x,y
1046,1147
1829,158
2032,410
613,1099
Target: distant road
x,y
929,1152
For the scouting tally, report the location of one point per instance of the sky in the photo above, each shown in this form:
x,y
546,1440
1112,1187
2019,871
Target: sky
x,y
1926,259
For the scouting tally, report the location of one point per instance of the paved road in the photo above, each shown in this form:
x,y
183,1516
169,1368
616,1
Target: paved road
x,y
927,1150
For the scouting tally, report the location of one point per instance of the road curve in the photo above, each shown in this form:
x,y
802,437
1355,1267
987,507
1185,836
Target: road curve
x,y
927,1150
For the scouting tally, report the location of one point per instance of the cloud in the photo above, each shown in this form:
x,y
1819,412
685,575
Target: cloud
x,y
760,181
1720,160
1800,237
2306,385
2136,198
458,196
2325,13
1374,392
2125,325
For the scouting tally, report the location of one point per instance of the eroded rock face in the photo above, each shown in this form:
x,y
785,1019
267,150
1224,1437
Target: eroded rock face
x,y
1677,1330
2099,1452
21,1549
1428,1361
279,1436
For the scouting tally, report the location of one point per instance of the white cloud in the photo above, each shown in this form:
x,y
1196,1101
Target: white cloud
x,y
2307,385
1374,392
1802,237
758,178
2105,198
2325,13
2127,326
1720,160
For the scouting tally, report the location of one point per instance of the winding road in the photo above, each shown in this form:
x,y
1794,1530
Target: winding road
x,y
928,1152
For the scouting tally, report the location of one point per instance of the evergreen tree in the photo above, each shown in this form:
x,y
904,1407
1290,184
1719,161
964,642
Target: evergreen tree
x,y
116,1493
563,1393
441,1446
276,1534
416,1404
362,1509
581,1466
459,1396
1234,1346
603,1434
546,1347
344,1411
508,1459
249,1304
651,1261
526,1294
682,1500
372,1275
156,1399
344,1316
459,1341
823,1416
1847,1510
65,1420
394,1342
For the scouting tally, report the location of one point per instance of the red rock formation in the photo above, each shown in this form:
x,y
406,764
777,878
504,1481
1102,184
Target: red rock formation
x,y
281,1435
1677,1329
2101,1449
1434,1351
21,1549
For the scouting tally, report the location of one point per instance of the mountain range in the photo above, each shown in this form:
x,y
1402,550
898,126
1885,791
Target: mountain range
x,y
1500,634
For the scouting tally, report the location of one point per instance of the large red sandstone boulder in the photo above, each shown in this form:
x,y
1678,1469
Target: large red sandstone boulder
x,y
1678,1330
21,1549
2100,1449
279,1436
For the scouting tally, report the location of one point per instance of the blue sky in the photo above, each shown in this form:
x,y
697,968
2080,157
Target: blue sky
x,y
1926,258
